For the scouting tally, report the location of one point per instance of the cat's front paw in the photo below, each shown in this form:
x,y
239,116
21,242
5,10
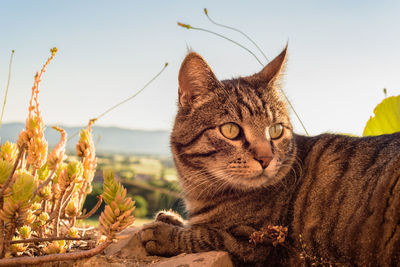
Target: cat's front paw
x,y
169,217
158,238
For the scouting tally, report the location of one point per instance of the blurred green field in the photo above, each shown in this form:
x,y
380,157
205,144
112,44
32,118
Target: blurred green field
x,y
151,181
128,166
95,221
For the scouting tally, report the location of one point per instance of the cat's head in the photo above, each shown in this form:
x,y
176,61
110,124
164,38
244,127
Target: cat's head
x,y
232,134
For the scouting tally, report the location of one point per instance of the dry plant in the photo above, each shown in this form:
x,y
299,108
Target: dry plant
x,y
42,195
271,234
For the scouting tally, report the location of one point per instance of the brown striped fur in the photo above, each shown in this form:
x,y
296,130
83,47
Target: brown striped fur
x,y
338,195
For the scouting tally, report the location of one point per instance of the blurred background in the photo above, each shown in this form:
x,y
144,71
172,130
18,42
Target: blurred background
x,y
341,56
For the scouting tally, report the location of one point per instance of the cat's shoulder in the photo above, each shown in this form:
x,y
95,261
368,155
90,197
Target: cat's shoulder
x,y
327,141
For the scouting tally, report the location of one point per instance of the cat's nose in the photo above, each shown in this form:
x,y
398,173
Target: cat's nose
x,y
263,154
264,161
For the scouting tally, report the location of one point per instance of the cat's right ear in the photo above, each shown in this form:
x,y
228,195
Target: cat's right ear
x,y
273,71
196,79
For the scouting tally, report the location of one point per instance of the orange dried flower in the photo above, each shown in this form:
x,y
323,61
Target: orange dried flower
x,y
187,26
86,150
71,174
33,135
37,146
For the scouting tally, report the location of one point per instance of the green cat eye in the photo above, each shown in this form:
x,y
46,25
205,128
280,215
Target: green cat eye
x,y
276,131
230,130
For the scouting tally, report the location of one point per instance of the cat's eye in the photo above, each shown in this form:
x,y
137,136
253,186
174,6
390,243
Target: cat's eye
x,y
276,131
230,130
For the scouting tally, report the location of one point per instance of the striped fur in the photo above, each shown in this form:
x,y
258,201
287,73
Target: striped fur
x,y
338,195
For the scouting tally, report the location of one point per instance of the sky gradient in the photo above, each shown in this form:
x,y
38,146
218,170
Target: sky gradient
x,y
341,55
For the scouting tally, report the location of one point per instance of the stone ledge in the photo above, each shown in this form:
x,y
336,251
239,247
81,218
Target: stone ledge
x,y
204,259
130,252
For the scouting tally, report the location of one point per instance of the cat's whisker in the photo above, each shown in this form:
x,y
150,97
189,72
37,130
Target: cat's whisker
x,y
204,177
206,181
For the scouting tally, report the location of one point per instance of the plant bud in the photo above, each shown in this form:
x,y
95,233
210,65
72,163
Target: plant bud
x,y
43,218
73,232
25,232
9,152
72,208
30,218
45,192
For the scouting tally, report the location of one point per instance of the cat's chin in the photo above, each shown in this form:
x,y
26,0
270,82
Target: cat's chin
x,y
263,178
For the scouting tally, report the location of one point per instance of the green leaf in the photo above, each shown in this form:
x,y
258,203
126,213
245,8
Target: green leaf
x,y
5,170
75,168
386,119
111,188
60,168
43,172
22,189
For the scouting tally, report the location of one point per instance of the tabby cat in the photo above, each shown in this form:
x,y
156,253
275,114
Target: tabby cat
x,y
242,168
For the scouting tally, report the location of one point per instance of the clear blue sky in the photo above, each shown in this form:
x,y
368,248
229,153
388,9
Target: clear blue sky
x,y
341,55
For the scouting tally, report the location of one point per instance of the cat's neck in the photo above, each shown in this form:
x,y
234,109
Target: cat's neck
x,y
304,144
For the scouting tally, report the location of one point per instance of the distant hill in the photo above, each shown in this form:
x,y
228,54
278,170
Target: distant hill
x,y
107,139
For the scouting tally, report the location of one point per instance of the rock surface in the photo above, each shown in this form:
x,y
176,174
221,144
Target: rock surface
x,y
130,252
205,259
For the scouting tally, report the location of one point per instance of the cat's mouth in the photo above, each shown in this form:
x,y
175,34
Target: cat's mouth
x,y
253,175
262,177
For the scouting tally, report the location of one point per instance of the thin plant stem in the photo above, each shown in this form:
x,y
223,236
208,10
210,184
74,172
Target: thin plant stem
x,y
295,113
85,229
38,79
126,100
134,95
55,215
187,26
66,201
10,233
63,200
236,30
8,85
94,209
46,182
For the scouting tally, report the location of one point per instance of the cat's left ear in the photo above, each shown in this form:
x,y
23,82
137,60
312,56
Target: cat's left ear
x,y
271,73
196,79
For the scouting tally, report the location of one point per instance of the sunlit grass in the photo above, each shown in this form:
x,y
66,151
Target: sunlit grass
x,y
8,85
